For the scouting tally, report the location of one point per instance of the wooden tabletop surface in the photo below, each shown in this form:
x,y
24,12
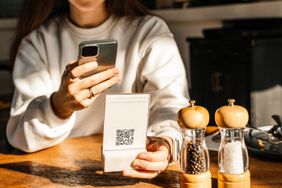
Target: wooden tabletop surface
x,y
76,163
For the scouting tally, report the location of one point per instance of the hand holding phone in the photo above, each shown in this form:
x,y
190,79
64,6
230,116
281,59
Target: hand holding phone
x,y
80,86
102,51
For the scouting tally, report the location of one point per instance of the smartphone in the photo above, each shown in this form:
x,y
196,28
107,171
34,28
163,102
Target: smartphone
x,y
102,51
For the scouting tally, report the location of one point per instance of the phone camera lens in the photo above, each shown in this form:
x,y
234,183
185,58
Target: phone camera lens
x,y
90,51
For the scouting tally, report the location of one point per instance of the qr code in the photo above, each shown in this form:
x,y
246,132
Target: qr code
x,y
124,136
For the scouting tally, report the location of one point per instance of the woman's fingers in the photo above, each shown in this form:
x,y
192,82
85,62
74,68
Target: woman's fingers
x,y
150,164
82,95
98,78
139,164
77,71
87,102
79,90
147,164
69,69
139,174
82,98
99,88
160,155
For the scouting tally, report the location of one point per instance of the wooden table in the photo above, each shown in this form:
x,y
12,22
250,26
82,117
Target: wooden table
x,y
76,163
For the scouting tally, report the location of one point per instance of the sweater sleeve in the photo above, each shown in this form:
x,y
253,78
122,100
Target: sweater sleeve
x,y
33,125
163,75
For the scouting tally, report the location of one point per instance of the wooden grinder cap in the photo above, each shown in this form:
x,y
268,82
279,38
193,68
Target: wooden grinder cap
x,y
193,117
231,116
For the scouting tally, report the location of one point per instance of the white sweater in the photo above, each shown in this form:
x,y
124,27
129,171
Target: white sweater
x,y
148,60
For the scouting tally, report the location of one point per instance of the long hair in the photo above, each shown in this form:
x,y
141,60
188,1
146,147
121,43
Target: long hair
x,y
36,12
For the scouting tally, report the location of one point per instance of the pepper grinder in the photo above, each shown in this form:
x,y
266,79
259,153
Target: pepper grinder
x,y
194,153
233,157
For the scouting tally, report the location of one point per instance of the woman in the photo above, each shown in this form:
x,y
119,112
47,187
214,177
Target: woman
x,y
50,104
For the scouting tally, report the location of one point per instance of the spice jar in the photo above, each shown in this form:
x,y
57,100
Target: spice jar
x,y
233,157
194,153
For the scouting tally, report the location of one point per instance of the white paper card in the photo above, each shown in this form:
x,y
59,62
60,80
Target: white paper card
x,y
125,128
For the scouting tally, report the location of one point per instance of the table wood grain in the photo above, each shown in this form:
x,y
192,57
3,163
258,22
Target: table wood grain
x,y
76,163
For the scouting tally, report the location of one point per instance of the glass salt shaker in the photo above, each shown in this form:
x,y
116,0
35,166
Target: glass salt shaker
x,y
194,157
233,157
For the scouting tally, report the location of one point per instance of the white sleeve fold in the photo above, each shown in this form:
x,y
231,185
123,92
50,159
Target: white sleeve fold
x,y
163,75
33,125
37,127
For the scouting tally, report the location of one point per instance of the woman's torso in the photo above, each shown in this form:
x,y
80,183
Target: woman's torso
x,y
61,39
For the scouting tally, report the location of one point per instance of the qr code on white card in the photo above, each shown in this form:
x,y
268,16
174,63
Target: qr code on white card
x,y
124,136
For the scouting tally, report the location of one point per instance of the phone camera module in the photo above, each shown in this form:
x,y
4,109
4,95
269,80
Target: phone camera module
x,y
89,51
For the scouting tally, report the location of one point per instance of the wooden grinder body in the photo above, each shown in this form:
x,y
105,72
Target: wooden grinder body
x,y
232,116
194,117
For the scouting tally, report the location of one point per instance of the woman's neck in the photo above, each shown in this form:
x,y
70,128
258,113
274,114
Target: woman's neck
x,y
87,19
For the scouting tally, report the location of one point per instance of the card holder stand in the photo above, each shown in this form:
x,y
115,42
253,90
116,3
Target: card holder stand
x,y
114,161
125,130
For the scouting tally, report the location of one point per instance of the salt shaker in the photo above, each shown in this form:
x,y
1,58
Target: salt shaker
x,y
233,157
194,153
